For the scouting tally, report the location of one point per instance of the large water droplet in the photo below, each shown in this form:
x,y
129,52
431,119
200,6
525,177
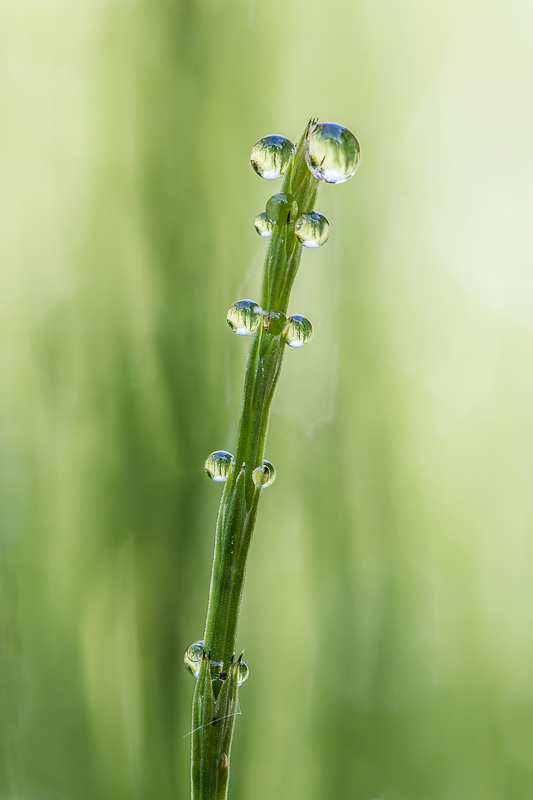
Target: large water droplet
x,y
274,322
271,156
263,225
244,317
193,657
218,465
332,152
242,673
282,208
312,229
264,475
299,331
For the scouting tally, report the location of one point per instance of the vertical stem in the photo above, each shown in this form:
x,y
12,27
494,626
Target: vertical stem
x,y
240,499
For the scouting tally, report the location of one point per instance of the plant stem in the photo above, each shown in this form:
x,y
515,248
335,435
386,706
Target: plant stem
x,y
237,513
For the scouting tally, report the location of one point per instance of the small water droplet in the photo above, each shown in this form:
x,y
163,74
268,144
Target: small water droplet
x,y
193,657
299,331
242,673
264,475
218,465
332,153
282,208
274,322
271,156
244,317
263,225
312,229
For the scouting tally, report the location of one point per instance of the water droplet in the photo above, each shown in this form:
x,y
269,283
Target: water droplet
x,y
299,331
263,225
312,229
332,153
282,208
264,475
271,156
274,322
218,465
193,657
244,317
242,673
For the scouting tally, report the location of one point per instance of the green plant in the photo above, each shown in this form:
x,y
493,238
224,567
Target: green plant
x,y
326,152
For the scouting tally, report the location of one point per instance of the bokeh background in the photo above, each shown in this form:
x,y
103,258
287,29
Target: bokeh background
x,y
388,610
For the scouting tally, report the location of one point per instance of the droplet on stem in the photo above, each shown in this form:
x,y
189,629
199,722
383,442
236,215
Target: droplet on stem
x,y
244,317
274,322
312,229
193,657
242,673
271,156
299,331
218,465
332,152
264,475
282,208
263,225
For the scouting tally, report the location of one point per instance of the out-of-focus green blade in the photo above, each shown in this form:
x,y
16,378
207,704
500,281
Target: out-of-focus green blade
x,y
397,535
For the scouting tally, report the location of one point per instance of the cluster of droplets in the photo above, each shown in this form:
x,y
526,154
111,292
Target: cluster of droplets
x,y
332,154
219,464
195,654
246,316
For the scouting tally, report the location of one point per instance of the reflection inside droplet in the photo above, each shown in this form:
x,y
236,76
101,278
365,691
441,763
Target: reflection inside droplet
x,y
271,156
218,465
299,331
332,152
312,229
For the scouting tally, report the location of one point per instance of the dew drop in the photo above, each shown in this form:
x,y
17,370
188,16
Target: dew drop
x,y
263,225
218,465
244,317
332,152
282,208
299,331
193,657
274,322
312,229
271,156
242,673
264,475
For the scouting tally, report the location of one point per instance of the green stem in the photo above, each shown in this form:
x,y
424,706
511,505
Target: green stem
x,y
240,500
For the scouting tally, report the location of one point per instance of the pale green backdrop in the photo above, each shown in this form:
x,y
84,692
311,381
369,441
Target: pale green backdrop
x,y
388,610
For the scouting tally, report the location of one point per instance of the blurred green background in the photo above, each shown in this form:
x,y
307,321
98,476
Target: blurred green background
x,y
388,610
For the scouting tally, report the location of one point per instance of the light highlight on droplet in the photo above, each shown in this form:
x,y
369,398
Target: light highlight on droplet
x,y
332,152
271,156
